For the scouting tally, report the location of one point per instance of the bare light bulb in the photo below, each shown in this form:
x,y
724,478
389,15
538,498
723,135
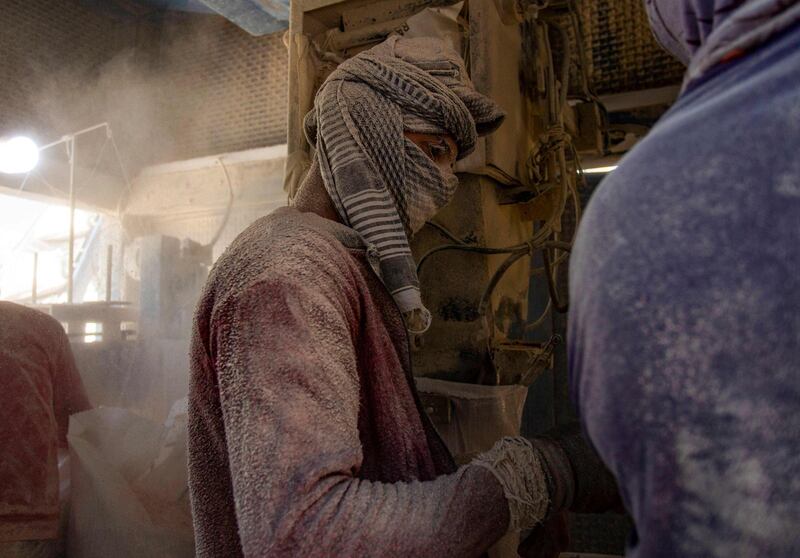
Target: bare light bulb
x,y
18,155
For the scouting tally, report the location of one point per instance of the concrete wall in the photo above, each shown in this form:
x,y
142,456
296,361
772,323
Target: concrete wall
x,y
189,199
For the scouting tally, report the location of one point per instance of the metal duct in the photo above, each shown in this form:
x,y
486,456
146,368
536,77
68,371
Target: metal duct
x,y
257,17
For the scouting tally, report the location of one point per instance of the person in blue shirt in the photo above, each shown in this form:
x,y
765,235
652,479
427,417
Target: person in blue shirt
x,y
685,286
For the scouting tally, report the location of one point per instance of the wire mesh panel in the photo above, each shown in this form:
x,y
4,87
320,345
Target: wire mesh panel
x,y
227,89
624,54
42,43
172,86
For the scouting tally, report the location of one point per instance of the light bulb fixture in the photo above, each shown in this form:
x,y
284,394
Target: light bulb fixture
x,y
18,155
600,170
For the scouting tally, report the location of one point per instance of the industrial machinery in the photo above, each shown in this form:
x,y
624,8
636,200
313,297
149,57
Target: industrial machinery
x,y
518,201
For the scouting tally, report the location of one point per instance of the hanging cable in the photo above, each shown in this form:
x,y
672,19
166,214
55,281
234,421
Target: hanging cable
x,y
99,158
119,160
469,248
446,232
551,284
228,210
554,170
128,188
542,317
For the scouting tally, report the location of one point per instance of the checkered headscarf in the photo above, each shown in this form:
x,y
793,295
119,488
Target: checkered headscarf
x,y
382,184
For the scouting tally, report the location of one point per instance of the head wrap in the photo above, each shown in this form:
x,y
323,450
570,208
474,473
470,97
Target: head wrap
x,y
703,33
381,183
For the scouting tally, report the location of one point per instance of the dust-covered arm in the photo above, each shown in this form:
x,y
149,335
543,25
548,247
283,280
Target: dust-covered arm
x,y
290,397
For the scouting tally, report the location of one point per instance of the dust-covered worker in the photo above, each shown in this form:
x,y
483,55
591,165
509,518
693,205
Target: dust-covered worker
x,y
685,282
40,389
306,435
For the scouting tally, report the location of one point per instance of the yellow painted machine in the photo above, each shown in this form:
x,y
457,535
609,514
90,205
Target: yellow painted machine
x,y
518,200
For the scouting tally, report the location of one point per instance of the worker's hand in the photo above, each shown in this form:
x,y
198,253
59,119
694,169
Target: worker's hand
x,y
547,540
578,480
548,475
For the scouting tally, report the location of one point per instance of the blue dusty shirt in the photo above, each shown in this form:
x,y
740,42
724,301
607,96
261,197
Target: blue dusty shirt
x,y
685,322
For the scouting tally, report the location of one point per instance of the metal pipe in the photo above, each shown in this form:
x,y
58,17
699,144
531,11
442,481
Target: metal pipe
x,y
337,40
71,137
109,260
70,141
71,250
35,275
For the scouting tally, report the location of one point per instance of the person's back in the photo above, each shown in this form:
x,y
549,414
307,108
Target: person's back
x,y
685,323
40,389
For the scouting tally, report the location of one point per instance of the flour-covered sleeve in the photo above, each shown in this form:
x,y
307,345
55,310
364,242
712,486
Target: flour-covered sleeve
x,y
290,397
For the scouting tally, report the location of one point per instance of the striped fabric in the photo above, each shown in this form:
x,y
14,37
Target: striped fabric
x,y
382,184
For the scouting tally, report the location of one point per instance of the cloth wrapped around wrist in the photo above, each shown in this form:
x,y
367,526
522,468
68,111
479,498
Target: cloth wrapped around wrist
x,y
546,475
520,470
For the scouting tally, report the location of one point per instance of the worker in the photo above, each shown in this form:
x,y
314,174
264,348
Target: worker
x,y
41,388
685,323
306,435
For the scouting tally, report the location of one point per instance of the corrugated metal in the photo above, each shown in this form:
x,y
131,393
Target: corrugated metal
x,y
45,44
182,86
226,90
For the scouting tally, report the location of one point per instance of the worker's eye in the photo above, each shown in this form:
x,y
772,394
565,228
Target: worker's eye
x,y
437,150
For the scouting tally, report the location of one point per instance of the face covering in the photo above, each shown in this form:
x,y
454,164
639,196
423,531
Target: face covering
x,y
704,33
667,25
380,182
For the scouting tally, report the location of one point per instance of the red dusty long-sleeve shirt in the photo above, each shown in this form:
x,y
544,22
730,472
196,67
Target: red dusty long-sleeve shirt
x,y
39,389
305,431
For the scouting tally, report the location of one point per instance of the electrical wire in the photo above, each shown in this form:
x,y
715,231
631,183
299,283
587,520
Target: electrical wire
x,y
228,210
484,303
24,181
542,317
129,189
97,161
119,160
470,248
552,163
559,307
549,165
541,358
446,232
536,271
577,25
565,62
46,183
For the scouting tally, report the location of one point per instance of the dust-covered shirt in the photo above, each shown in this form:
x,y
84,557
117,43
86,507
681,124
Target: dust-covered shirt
x,y
39,389
685,323
306,434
